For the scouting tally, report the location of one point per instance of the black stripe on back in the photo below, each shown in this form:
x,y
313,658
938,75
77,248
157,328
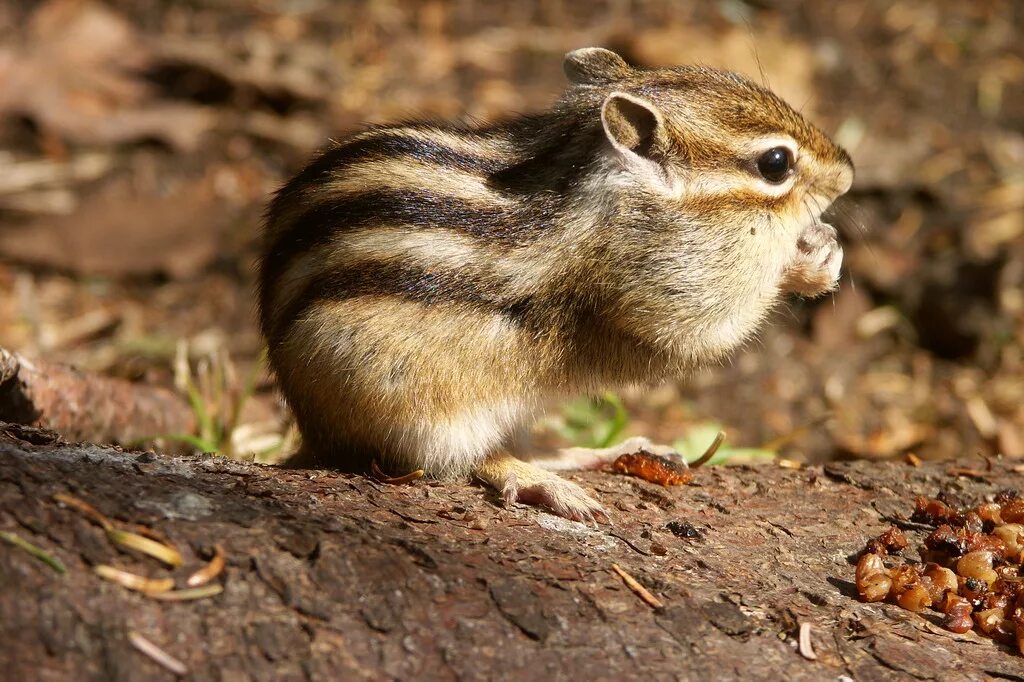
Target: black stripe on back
x,y
326,217
396,208
407,282
556,151
380,146
389,145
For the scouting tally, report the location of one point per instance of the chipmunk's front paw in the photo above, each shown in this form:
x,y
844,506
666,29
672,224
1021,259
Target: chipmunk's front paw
x,y
818,262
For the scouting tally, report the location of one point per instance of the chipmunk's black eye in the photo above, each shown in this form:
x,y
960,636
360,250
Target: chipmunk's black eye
x,y
774,165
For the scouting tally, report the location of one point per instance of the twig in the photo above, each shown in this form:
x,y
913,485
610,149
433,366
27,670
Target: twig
x,y
640,590
146,540
35,551
407,517
710,452
147,532
18,176
404,517
629,544
906,524
158,655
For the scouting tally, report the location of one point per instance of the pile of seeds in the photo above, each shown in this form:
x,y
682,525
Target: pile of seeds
x,y
970,567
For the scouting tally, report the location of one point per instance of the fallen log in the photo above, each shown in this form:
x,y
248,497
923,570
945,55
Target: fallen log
x,y
747,574
88,407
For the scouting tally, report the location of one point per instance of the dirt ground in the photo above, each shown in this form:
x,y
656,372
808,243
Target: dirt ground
x,y
139,140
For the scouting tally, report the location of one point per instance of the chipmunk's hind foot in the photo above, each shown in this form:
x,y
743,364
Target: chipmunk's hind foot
x,y
523,482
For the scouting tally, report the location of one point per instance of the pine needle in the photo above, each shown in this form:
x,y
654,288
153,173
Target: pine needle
x,y
35,551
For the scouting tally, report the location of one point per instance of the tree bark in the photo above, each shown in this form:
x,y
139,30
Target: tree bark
x,y
332,576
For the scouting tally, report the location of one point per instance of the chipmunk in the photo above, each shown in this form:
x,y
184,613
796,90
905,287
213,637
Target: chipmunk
x,y
425,288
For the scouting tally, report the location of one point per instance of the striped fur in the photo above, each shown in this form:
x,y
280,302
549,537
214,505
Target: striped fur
x,y
426,288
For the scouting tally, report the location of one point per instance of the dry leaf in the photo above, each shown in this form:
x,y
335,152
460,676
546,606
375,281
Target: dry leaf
x,y
77,74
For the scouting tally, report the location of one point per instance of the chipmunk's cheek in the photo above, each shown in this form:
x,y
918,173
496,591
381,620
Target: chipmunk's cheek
x,y
817,264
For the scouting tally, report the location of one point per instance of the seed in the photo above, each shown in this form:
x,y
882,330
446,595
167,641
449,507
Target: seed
x,y
902,578
892,541
942,580
914,598
973,522
1012,511
971,570
990,513
1011,589
997,601
873,581
958,621
973,589
945,539
982,542
875,587
977,565
958,614
950,601
870,564
1011,534
989,620
934,512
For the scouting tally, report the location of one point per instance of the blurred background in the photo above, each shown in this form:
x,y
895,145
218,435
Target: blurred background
x,y
139,140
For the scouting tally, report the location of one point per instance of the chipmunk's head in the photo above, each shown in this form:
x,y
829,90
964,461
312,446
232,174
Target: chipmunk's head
x,y
720,183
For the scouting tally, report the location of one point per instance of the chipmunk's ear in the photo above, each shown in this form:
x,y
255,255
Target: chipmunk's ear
x,y
631,123
634,126
594,66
